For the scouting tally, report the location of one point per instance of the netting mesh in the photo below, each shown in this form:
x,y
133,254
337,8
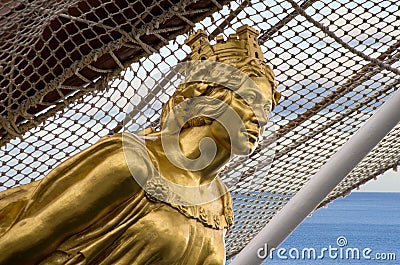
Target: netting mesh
x,y
335,62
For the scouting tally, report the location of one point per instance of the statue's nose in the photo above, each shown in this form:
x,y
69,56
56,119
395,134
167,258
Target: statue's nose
x,y
261,114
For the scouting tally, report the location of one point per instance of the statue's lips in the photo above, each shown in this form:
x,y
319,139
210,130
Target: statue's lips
x,y
252,134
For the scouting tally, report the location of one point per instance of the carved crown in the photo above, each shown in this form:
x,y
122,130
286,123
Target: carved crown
x,y
242,44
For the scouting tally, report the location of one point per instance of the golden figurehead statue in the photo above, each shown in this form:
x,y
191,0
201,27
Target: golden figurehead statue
x,y
153,197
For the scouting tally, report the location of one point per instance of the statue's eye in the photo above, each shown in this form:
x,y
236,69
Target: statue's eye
x,y
235,77
250,98
268,107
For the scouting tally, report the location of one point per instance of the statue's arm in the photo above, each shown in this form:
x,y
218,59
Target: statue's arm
x,y
103,187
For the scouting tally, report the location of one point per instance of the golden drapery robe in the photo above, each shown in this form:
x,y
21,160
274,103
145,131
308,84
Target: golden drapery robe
x,y
111,220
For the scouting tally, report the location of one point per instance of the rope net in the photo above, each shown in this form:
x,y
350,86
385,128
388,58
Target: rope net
x,y
71,70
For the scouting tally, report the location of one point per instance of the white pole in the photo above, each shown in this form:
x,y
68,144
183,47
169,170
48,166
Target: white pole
x,y
322,183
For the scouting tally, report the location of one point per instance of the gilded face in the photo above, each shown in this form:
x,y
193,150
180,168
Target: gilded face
x,y
252,103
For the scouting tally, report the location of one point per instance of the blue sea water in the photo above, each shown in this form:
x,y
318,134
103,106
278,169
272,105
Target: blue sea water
x,y
363,228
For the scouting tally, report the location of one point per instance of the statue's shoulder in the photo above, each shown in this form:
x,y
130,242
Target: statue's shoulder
x,y
121,140
130,146
118,138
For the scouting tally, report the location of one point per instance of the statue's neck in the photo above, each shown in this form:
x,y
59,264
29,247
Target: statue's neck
x,y
188,147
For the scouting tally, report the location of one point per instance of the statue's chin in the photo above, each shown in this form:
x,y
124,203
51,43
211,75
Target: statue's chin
x,y
244,149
